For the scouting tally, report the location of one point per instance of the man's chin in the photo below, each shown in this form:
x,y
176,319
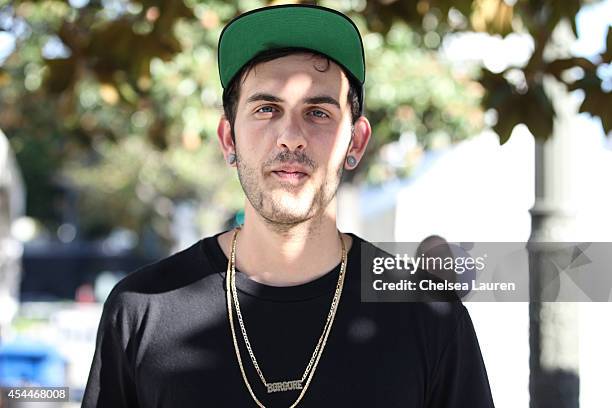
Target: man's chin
x,y
286,219
288,211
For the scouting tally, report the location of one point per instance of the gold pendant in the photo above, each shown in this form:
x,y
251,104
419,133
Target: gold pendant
x,y
284,386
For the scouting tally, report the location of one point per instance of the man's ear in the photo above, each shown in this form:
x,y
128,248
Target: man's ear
x,y
359,141
224,133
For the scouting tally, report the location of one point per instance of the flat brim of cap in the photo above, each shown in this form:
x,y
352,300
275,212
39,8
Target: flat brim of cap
x,y
311,27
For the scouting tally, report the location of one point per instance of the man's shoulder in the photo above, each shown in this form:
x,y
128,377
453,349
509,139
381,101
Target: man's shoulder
x,y
365,247
369,252
438,324
440,313
165,276
160,275
443,311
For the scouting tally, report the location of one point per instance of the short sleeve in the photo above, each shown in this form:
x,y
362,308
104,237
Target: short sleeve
x,y
460,378
111,380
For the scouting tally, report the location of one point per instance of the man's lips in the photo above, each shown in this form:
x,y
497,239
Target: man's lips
x,y
295,173
290,169
289,175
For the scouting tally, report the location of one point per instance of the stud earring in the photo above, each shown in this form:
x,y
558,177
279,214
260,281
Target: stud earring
x,y
351,161
231,158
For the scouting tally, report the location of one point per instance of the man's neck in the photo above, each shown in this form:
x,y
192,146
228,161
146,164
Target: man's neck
x,y
286,256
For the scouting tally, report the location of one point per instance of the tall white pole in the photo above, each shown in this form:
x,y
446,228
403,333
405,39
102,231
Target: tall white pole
x,y
553,337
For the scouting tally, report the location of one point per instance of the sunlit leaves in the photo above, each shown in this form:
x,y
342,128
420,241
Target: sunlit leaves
x,y
539,19
597,101
530,106
410,92
133,102
492,16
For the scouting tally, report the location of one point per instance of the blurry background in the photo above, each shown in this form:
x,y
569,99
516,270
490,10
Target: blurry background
x,y
489,116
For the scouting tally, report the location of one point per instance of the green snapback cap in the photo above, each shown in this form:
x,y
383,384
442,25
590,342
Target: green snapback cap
x,y
317,28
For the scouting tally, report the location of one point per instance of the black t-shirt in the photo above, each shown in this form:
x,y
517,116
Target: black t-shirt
x,y
164,341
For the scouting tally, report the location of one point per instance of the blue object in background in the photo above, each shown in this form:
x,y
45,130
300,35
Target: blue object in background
x,y
24,363
239,218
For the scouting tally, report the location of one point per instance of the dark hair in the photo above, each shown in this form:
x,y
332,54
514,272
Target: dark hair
x,y
231,93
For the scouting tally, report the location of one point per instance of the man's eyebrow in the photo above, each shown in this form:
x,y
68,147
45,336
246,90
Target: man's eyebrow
x,y
263,97
315,100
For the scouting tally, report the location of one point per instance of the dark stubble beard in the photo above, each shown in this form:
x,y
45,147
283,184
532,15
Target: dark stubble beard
x,y
277,217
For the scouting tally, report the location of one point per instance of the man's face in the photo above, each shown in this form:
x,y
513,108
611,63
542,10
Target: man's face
x,y
292,131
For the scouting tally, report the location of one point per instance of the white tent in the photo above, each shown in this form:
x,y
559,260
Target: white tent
x,y
12,203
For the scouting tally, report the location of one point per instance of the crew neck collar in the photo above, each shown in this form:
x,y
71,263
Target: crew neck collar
x,y
315,288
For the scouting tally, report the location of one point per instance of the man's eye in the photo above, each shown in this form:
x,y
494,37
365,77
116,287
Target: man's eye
x,y
319,113
265,109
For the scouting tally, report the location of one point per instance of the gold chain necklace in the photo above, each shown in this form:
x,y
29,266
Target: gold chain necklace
x,y
232,294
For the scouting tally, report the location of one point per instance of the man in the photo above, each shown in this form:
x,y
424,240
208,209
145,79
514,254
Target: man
x,y
269,314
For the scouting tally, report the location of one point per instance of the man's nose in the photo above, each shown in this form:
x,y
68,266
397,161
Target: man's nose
x,y
291,134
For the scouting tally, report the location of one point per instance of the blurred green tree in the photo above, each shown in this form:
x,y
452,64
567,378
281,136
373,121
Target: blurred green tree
x,y
119,99
523,101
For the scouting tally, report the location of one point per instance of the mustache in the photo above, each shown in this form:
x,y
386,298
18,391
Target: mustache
x,y
291,157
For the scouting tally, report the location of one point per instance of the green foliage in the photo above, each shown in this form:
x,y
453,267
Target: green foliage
x,y
538,18
74,120
136,185
123,105
126,112
409,92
